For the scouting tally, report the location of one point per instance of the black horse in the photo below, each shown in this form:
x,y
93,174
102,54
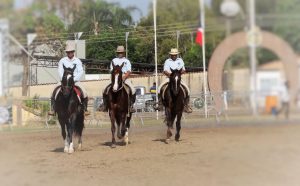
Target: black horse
x,y
173,96
70,111
118,106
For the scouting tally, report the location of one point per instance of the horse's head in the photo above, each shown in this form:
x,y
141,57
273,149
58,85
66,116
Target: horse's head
x,y
175,79
67,82
116,77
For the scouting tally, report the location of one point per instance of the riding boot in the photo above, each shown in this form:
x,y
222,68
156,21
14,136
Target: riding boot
x,y
158,106
132,100
85,106
187,108
104,106
52,107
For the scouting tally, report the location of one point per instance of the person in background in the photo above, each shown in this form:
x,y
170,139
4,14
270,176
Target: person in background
x,y
153,91
285,100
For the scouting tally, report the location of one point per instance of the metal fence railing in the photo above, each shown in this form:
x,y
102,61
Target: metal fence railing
x,y
231,104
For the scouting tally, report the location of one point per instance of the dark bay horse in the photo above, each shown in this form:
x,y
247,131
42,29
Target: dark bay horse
x,y
173,100
118,106
70,111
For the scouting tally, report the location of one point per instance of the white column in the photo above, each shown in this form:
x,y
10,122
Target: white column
x,y
1,65
202,23
155,49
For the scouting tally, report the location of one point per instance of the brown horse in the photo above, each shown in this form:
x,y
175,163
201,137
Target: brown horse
x,y
173,100
118,106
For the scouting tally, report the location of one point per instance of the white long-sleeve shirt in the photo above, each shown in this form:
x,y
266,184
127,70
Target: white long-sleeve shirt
x,y
119,61
69,63
170,64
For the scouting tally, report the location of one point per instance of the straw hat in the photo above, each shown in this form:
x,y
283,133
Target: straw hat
x,y
174,51
70,48
120,49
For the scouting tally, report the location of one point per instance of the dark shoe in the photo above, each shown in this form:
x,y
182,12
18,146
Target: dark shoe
x,y
158,106
102,108
187,109
51,113
132,110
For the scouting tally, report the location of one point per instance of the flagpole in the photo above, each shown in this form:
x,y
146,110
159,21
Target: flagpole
x,y
202,23
155,52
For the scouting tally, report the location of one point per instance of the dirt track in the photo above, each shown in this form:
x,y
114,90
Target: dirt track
x,y
241,156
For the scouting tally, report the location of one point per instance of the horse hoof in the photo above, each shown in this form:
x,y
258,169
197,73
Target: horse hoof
x,y
71,150
66,149
113,146
177,137
80,147
126,141
167,141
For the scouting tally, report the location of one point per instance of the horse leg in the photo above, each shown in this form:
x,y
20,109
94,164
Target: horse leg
x,y
178,127
124,129
127,126
70,137
119,131
64,134
169,124
113,130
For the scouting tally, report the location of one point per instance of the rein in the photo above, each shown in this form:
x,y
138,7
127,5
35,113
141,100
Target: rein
x,y
118,88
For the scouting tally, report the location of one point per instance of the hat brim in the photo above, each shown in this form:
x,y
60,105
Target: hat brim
x,y
174,53
69,50
120,51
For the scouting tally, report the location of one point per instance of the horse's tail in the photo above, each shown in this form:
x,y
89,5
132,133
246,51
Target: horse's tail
x,y
79,124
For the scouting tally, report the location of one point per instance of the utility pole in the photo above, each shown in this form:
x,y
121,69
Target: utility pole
x,y
253,57
3,56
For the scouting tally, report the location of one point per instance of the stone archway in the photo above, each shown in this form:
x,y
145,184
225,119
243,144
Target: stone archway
x,y
238,40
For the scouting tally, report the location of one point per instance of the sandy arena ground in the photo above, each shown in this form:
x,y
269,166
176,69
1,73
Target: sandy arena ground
x,y
253,155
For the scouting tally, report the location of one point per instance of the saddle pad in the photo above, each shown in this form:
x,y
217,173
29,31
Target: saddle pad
x,y
78,93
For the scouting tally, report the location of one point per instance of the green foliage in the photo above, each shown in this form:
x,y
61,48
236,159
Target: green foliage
x,y
37,106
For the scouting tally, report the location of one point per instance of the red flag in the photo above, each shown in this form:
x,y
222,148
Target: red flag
x,y
199,37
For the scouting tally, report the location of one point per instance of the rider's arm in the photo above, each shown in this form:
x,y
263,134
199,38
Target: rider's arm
x,y
60,69
167,73
79,70
127,67
183,68
126,75
167,68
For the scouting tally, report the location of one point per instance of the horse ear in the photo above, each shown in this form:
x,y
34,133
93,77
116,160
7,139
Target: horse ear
x,y
172,71
113,65
122,65
64,67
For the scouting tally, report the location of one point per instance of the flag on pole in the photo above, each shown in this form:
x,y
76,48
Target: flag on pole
x,y
199,36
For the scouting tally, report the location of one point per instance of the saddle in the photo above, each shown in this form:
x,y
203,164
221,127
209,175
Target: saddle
x,y
77,90
126,87
164,88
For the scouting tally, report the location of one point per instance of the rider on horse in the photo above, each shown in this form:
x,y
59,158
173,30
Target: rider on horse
x,y
126,70
174,62
70,61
